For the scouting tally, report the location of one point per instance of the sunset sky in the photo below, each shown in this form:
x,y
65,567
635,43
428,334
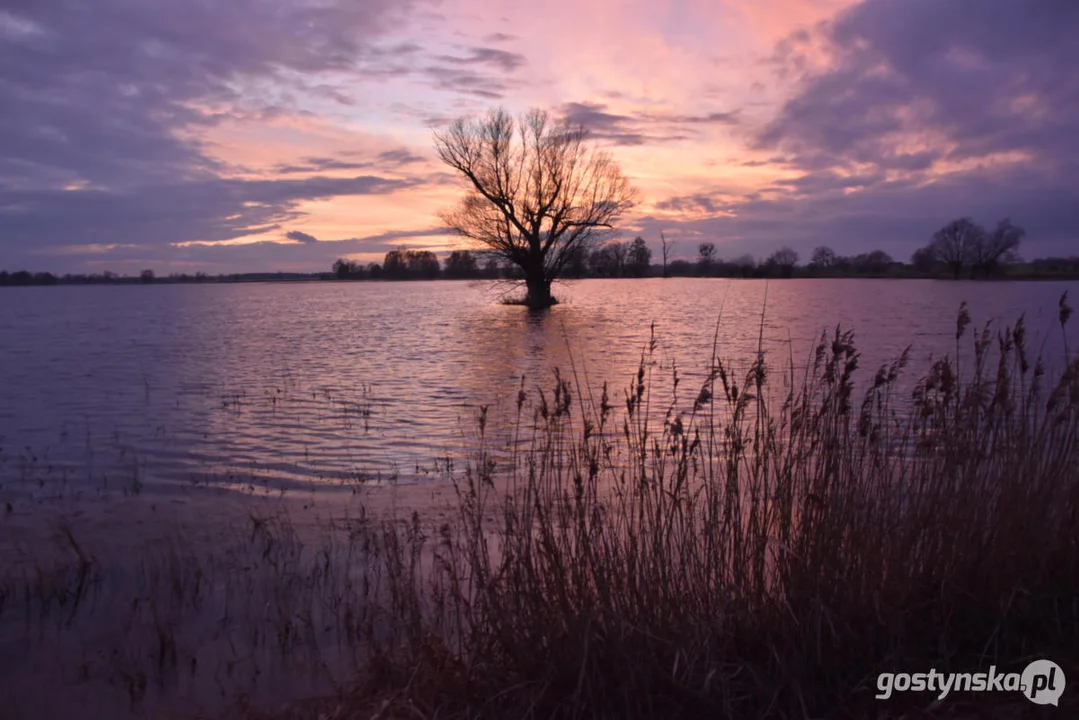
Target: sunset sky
x,y
263,135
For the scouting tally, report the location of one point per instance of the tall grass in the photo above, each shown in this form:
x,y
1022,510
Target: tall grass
x,y
765,552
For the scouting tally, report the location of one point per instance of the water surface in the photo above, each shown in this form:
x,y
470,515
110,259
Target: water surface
x,y
331,383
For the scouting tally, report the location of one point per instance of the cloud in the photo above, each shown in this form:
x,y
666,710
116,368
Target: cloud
x,y
105,106
100,93
905,115
501,59
132,126
301,236
316,164
823,183
386,161
714,118
483,72
401,156
971,78
602,124
396,236
467,82
154,218
269,256
693,204
639,129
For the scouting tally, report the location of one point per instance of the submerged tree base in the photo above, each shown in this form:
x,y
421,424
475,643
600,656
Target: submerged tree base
x,y
525,302
533,300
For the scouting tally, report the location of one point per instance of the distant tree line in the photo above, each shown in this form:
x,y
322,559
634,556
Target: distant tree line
x,y
22,277
780,263
147,277
960,249
613,259
404,264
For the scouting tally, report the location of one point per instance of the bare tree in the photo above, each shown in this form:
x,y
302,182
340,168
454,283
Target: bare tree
x,y
955,243
666,251
405,264
609,259
461,264
345,269
1000,245
784,259
620,254
823,258
875,262
706,258
536,191
784,256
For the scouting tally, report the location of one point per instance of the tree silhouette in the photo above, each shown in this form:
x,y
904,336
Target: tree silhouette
x,y
1000,245
345,269
666,252
609,259
706,258
535,190
954,244
639,261
784,260
462,264
875,262
823,258
403,264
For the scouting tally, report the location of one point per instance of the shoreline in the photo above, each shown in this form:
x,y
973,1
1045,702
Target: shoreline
x,y
134,281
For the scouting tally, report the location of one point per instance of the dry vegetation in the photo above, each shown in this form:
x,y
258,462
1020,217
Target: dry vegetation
x,y
763,551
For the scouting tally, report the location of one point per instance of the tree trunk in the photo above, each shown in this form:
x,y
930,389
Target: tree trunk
x,y
539,291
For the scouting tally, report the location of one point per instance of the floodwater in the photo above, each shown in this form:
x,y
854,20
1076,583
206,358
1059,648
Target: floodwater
x,y
331,384
135,422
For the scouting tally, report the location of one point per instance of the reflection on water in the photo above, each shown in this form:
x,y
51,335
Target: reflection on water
x,y
331,383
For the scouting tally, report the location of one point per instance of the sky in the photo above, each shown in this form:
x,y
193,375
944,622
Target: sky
x,y
279,135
